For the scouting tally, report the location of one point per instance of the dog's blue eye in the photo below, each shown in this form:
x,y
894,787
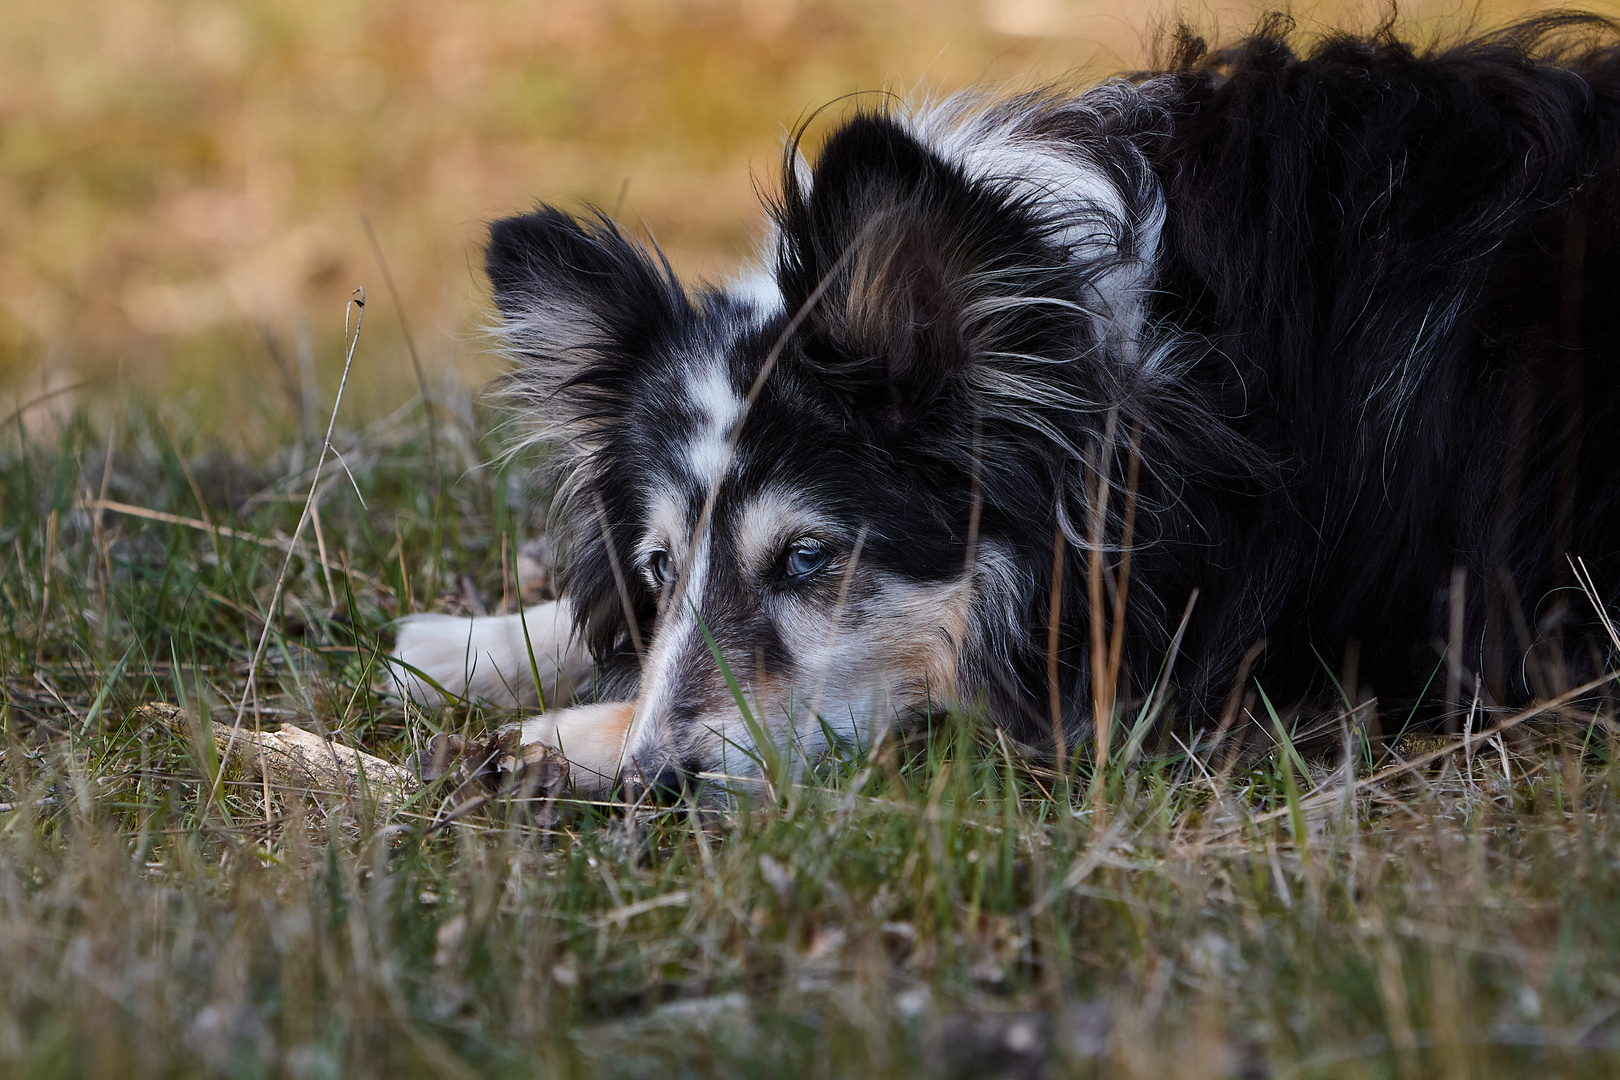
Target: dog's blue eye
x,y
804,557
658,565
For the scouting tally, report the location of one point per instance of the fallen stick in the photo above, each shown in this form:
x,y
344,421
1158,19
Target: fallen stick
x,y
300,760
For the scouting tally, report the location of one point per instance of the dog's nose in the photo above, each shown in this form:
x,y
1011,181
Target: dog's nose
x,y
666,786
669,785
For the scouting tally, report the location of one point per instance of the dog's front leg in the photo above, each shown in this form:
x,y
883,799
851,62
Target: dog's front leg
x,y
591,737
493,657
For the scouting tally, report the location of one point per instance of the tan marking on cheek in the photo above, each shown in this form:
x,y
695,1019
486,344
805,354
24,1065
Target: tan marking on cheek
x,y
923,637
591,737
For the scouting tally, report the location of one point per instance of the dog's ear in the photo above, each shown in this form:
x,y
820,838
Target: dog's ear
x,y
907,271
581,305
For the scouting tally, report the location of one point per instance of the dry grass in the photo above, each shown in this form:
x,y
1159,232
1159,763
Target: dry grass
x,y
944,906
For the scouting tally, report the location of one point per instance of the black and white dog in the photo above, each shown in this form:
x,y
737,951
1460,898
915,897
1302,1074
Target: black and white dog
x,y
1328,341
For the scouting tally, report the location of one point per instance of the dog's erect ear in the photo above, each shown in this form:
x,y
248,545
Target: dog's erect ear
x,y
581,304
910,271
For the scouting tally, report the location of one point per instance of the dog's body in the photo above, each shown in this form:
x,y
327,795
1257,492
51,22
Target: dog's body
x,y
1328,341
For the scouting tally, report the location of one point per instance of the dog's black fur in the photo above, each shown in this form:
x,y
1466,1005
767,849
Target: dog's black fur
x,y
1378,343
1407,270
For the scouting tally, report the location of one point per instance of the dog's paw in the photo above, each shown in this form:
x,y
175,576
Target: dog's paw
x,y
591,737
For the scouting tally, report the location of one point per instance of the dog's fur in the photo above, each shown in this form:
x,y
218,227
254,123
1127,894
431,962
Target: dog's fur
x,y
1325,338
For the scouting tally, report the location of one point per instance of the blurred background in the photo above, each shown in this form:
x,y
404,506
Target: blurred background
x,y
186,186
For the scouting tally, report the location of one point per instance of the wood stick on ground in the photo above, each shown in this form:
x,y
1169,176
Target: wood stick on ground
x,y
299,760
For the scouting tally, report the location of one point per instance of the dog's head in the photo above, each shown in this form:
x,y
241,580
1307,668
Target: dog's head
x,y
792,509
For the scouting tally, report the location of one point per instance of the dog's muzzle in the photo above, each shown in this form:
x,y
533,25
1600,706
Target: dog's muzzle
x,y
669,784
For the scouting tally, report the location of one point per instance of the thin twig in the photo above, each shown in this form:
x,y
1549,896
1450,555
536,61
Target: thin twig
x,y
320,546
1103,690
359,307
631,622
1122,576
1589,587
106,481
1311,802
837,627
223,530
1060,745
42,398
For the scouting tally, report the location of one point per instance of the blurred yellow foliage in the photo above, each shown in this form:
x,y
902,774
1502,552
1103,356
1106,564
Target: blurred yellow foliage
x,y
182,180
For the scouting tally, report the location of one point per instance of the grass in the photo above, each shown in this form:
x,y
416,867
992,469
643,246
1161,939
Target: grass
x,y
941,904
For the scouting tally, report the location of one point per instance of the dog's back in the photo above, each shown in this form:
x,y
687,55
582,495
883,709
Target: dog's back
x,y
1405,270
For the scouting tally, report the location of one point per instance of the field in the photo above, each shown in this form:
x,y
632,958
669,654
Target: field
x,y
943,904
187,195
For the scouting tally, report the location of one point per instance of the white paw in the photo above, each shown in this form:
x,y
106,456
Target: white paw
x,y
591,737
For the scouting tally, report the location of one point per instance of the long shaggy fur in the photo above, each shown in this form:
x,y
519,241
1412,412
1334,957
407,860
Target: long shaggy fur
x,y
1316,335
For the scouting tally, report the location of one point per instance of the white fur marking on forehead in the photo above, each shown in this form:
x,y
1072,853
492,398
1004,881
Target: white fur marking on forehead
x,y
717,405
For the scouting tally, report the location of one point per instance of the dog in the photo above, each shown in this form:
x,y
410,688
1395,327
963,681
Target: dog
x,y
1276,367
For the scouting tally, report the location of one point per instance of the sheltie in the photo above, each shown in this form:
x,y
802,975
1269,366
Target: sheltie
x,y
1274,367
